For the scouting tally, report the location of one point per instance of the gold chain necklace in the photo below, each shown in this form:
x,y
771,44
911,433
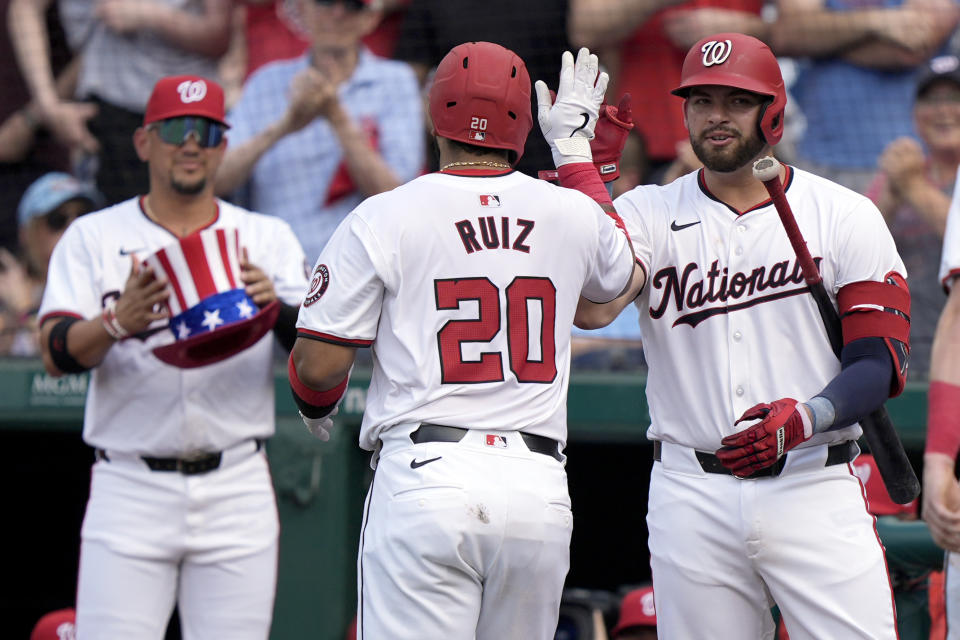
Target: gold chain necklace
x,y
485,163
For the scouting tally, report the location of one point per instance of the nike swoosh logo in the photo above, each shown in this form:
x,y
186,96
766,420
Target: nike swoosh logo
x,y
416,464
129,252
586,119
677,227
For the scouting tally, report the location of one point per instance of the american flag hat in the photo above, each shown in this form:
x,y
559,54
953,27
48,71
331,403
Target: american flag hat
x,y
211,316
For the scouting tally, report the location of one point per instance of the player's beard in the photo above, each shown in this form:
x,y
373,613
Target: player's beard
x,y
731,157
188,188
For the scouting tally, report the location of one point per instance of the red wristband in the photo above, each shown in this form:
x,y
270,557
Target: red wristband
x,y
583,177
318,399
943,419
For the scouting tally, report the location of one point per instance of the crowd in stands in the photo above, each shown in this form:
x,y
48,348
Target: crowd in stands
x,y
326,108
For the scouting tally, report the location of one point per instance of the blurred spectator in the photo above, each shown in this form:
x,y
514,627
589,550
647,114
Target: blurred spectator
x,y
685,162
856,88
46,209
638,616
56,625
126,46
534,29
615,347
312,137
270,34
27,151
650,39
913,189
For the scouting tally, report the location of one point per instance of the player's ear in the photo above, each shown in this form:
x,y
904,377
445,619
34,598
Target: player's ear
x,y
141,143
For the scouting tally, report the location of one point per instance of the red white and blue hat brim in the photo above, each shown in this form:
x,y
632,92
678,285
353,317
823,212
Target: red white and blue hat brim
x,y
214,346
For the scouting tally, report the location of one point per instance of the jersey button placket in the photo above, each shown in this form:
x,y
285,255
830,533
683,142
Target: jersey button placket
x,y
736,348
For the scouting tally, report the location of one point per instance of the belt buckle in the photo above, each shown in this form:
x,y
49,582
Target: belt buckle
x,y
198,462
770,471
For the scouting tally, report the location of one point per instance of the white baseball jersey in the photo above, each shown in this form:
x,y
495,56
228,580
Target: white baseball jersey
x,y
467,288
950,258
725,314
728,323
136,403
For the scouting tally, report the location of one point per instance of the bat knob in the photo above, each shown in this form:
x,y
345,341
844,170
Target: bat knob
x,y
766,168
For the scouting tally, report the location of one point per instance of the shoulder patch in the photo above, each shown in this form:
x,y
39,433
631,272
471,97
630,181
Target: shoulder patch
x,y
318,285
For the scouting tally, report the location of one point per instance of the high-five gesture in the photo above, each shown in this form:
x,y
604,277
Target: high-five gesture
x,y
568,123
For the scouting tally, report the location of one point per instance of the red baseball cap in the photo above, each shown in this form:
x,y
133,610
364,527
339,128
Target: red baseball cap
x,y
56,625
878,498
176,96
636,610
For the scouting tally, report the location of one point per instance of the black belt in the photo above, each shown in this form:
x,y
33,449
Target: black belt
x,y
187,466
836,454
441,433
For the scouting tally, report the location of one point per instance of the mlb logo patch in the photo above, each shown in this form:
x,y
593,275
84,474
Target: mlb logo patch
x,y
478,135
493,440
489,201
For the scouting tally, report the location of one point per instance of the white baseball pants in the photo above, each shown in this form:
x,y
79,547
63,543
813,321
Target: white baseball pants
x,y
207,542
472,545
724,550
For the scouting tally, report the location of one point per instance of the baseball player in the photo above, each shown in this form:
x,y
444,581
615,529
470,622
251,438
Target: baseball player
x,y
465,283
941,492
181,506
754,421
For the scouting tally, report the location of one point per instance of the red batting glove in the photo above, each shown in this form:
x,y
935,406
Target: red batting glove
x,y
609,137
783,425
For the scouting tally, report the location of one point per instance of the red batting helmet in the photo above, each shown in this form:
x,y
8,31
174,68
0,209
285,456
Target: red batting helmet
x,y
481,96
741,61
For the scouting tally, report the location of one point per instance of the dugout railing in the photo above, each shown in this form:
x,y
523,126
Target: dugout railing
x,y
320,488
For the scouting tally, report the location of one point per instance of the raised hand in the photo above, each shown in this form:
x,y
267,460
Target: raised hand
x,y
312,94
568,123
613,126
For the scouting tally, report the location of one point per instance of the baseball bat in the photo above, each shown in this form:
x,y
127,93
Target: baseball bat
x,y
898,475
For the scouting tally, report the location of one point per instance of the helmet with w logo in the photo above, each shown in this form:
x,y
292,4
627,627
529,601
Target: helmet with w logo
x,y
481,96
740,61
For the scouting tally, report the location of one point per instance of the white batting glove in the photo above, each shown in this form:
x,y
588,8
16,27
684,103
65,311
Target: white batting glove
x,y
320,427
568,123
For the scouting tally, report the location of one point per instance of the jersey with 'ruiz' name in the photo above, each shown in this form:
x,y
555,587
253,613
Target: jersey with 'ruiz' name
x,y
466,287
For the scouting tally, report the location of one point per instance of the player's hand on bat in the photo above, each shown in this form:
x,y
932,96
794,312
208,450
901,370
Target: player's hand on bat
x,y
783,425
320,427
610,135
258,286
941,500
144,299
568,123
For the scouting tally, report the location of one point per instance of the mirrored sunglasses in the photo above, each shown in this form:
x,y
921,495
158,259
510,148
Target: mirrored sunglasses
x,y
207,133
